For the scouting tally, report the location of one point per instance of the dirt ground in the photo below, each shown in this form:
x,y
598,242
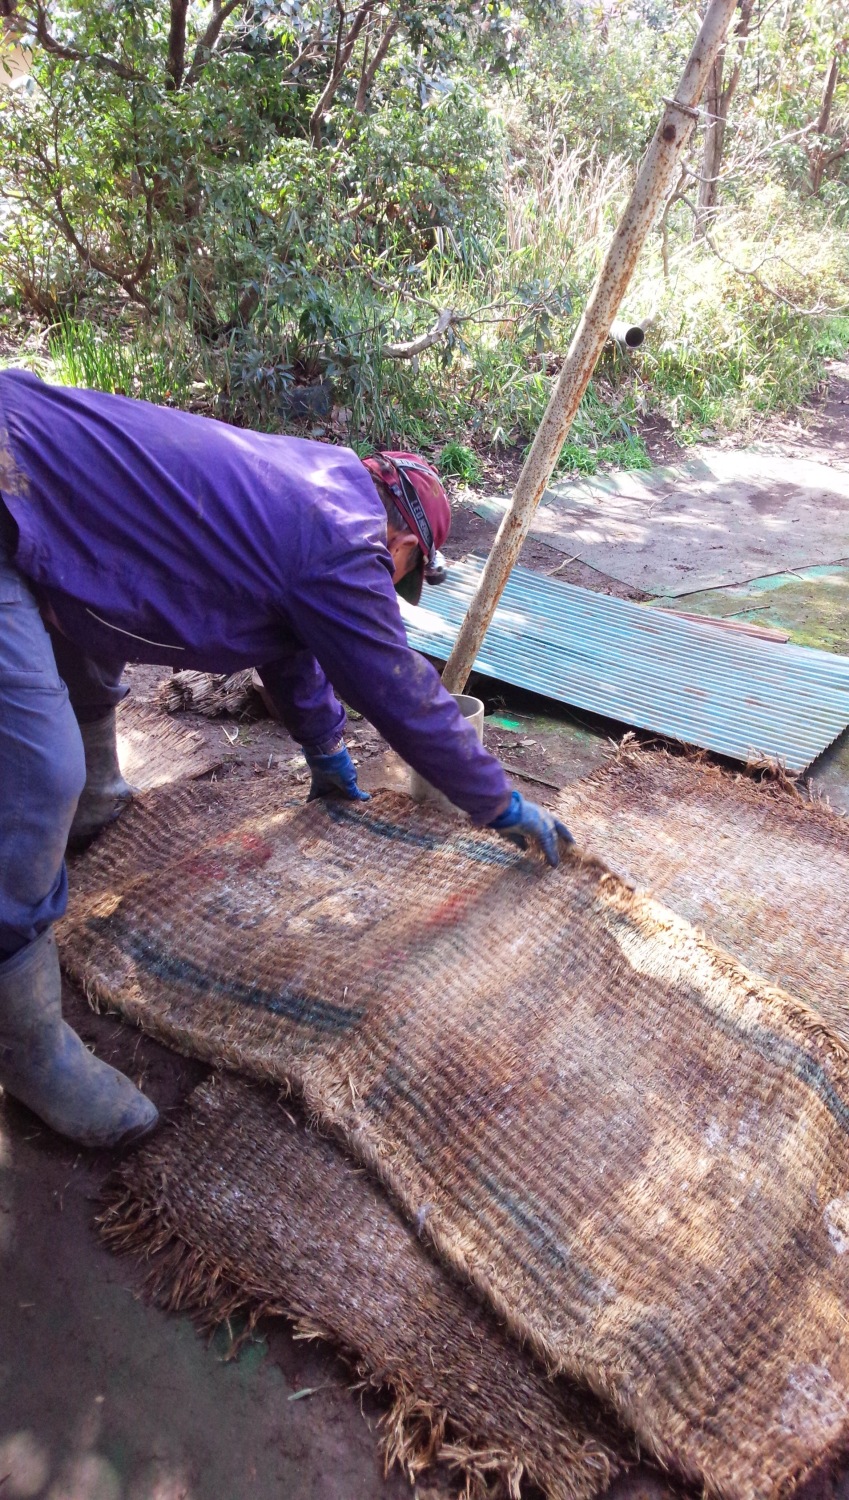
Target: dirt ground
x,y
102,1396
819,431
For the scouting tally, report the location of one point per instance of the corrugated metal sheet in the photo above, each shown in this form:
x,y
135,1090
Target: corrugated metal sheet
x,y
702,684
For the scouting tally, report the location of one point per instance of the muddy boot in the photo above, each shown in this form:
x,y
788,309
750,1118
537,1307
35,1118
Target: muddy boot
x,y
106,793
44,1065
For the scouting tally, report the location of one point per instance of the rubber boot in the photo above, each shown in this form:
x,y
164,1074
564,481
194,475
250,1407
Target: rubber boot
x,y
106,793
45,1066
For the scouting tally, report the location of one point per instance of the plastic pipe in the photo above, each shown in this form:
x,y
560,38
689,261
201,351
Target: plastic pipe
x,y
421,790
628,335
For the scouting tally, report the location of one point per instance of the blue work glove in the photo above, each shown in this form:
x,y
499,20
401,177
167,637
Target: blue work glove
x,y
523,820
334,776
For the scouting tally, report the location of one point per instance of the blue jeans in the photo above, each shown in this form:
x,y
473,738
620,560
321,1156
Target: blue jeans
x,y
42,765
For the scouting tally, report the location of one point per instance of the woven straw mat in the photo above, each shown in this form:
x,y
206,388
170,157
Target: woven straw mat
x,y
765,873
240,1206
633,1148
235,1172
154,750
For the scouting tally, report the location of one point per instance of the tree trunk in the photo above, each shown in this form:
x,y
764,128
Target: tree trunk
x,y
221,12
718,96
712,150
177,42
344,47
819,154
370,68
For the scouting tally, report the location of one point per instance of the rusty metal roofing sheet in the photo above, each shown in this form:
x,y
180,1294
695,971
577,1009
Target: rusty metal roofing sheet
x,y
699,683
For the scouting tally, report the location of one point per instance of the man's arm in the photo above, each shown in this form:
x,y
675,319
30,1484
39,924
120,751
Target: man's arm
x,y
348,613
304,700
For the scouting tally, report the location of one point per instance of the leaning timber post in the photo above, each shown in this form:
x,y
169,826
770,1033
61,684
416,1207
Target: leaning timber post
x,y
655,180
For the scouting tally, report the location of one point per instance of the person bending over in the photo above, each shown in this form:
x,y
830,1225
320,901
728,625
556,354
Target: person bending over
x,y
131,532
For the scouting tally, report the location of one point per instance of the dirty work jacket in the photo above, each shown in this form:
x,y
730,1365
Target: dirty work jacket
x,y
152,535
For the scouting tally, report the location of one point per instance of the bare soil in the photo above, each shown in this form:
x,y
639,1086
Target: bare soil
x,y
472,533
819,430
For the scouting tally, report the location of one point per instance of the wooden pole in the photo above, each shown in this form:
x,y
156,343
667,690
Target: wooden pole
x,y
655,179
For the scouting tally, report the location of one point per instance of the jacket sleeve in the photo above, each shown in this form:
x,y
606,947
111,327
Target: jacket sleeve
x,y
347,611
304,700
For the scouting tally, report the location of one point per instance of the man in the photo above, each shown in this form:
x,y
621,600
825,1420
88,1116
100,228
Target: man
x,y
135,532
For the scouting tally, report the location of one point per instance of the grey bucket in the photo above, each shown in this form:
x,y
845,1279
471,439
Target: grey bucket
x,y
421,790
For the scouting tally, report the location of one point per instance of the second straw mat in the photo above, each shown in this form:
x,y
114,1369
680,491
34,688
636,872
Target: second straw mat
x,y
635,1150
229,1209
154,749
759,867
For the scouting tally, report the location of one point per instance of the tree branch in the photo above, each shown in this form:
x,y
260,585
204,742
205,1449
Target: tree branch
x,y
307,52
146,260
753,274
828,94
818,156
720,95
676,196
126,280
340,63
56,48
370,69
206,44
446,320
177,42
363,68
340,32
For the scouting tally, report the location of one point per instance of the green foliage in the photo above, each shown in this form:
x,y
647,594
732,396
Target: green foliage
x,y
410,171
728,348
594,81
106,359
460,462
239,224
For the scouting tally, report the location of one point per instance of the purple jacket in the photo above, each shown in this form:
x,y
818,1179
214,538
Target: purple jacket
x,y
156,536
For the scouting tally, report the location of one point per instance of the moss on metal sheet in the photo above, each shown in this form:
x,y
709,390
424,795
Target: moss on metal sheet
x,y
811,605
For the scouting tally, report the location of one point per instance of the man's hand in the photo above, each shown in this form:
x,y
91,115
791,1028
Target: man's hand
x,y
523,820
334,775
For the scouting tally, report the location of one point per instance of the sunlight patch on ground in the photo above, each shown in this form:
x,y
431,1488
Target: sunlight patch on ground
x,y
24,1465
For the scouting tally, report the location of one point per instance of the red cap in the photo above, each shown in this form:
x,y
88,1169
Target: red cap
x,y
417,490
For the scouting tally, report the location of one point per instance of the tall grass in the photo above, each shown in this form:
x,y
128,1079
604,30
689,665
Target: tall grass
x,y
727,348
563,201
114,358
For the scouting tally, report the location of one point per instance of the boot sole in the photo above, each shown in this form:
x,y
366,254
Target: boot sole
x,y
133,1138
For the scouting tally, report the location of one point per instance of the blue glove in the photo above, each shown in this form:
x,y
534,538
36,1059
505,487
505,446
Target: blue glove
x,y
523,820
334,776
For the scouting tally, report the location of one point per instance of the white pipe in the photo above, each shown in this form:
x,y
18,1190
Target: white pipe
x,y
627,335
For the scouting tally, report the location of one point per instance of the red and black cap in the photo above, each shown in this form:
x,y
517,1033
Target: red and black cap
x,y
416,488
